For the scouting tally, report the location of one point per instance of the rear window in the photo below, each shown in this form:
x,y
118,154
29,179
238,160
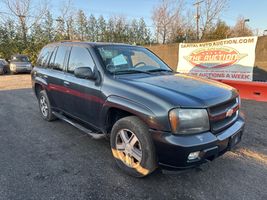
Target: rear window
x,y
20,59
44,56
58,59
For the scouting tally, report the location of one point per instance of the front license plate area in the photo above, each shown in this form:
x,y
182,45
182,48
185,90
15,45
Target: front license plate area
x,y
235,139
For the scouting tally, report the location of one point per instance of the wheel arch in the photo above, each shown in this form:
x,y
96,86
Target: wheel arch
x,y
38,88
39,84
116,108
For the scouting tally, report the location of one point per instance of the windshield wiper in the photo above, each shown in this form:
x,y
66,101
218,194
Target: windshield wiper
x,y
131,71
159,70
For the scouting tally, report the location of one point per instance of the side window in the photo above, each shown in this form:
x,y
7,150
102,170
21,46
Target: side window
x,y
51,62
58,63
80,57
44,56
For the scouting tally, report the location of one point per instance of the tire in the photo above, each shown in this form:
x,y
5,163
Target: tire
x,y
45,106
130,136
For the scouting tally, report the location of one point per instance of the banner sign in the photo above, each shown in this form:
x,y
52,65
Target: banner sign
x,y
229,59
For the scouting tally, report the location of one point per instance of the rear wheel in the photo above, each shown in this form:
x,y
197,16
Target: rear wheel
x,y
132,147
45,107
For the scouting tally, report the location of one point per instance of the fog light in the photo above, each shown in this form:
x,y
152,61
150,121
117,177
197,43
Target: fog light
x,y
193,155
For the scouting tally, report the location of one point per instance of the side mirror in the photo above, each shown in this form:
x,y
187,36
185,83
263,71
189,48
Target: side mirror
x,y
85,73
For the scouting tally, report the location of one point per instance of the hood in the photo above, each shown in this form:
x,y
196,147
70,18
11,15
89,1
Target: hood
x,y
183,90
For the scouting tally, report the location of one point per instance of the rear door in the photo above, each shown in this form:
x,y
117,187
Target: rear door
x,y
55,75
87,98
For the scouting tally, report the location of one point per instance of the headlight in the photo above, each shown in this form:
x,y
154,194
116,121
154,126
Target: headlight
x,y
189,121
12,66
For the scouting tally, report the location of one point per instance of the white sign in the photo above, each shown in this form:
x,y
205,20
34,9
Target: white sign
x,y
229,59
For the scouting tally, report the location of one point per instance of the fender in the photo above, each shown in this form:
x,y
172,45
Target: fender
x,y
40,81
140,110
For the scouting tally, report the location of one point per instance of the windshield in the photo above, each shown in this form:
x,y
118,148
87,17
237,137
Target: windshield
x,y
20,59
2,62
129,59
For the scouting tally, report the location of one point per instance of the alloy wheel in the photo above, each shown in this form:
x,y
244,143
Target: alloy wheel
x,y
44,106
129,148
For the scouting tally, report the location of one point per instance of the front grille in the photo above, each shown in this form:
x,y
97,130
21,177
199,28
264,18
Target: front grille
x,y
223,115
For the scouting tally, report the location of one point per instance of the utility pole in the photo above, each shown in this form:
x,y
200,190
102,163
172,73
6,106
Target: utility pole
x,y
244,25
197,4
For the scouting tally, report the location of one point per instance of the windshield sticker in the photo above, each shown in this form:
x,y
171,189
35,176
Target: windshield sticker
x,y
119,60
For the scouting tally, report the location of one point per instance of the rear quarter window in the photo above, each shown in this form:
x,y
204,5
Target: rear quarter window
x,y
44,56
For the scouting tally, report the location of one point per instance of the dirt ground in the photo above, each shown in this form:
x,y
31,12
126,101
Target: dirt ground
x,y
11,82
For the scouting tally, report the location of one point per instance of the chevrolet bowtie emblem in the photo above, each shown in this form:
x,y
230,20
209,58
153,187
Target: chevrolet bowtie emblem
x,y
229,113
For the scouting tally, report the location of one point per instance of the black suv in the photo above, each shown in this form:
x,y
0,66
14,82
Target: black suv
x,y
153,116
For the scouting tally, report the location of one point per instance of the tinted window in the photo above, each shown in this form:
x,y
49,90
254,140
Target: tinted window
x,y
58,63
44,56
3,62
19,58
80,57
52,59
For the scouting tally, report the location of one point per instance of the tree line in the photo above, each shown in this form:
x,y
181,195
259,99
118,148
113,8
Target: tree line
x,y
77,27
26,29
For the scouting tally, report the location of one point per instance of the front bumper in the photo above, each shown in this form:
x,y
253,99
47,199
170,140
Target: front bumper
x,y
173,150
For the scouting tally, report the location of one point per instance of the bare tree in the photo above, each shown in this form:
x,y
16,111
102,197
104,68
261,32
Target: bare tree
x,y
167,17
241,28
26,13
210,13
190,26
65,22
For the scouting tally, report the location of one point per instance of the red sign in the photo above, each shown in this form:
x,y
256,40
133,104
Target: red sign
x,y
208,58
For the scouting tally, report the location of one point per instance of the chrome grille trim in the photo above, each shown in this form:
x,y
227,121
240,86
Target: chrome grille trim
x,y
219,120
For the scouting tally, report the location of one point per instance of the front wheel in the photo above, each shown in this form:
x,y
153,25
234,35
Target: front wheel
x,y
132,147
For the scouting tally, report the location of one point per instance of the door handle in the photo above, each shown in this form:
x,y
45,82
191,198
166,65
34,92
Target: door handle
x,y
66,83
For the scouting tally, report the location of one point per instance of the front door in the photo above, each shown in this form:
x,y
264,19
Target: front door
x,y
86,97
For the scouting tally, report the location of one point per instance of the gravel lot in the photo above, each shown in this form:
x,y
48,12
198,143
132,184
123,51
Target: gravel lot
x,y
10,82
42,160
